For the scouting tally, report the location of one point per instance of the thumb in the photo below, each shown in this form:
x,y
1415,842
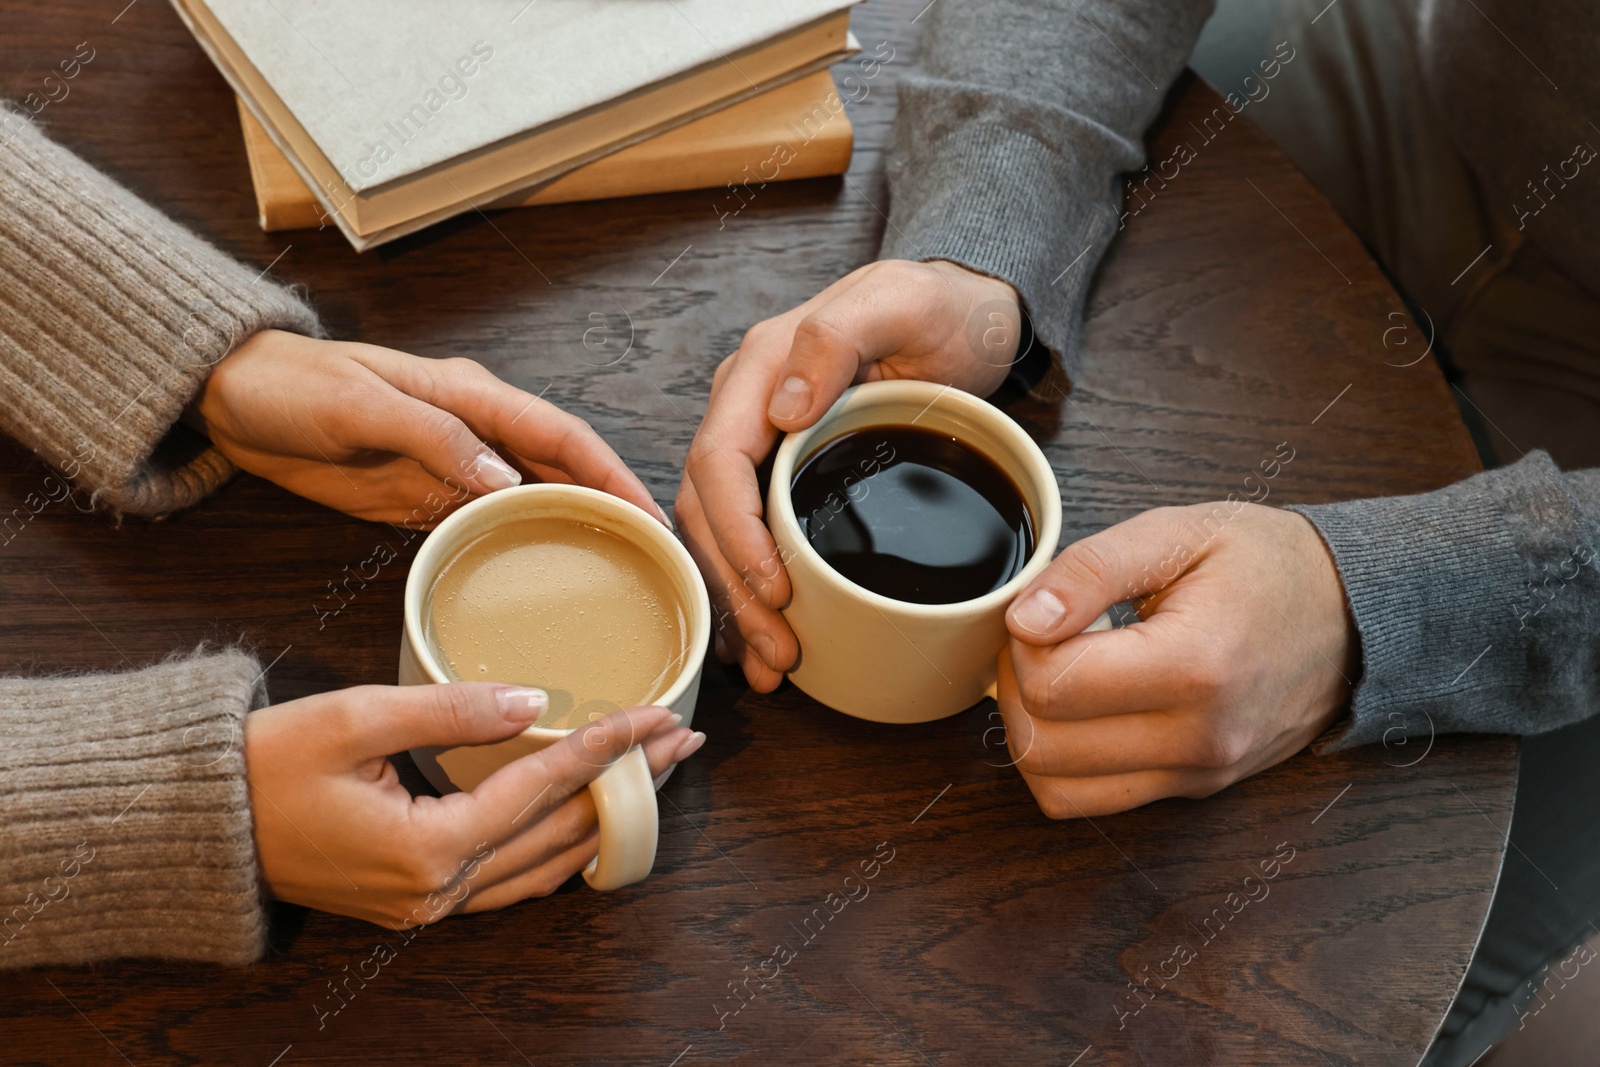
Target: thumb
x,y
377,720
831,344
1129,560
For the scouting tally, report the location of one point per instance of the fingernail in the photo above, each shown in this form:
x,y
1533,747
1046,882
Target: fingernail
x,y
492,472
767,649
674,720
523,705
1039,612
666,519
792,399
690,746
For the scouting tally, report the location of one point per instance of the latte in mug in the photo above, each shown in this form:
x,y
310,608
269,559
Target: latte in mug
x,y
578,593
567,607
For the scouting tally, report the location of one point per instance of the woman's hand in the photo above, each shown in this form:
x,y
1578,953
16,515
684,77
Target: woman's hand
x,y
933,322
1244,653
391,437
337,831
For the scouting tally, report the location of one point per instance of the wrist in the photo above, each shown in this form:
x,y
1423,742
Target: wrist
x,y
1334,620
997,330
990,286
210,404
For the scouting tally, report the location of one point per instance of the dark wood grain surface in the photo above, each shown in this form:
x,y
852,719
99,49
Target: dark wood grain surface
x,y
1236,313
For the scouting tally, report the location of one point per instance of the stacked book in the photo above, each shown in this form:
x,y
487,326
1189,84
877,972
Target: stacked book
x,y
384,118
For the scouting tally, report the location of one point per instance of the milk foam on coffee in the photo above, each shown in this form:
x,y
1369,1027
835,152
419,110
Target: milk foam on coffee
x,y
586,616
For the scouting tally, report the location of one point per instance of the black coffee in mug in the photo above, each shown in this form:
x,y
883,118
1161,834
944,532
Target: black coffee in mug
x,y
913,515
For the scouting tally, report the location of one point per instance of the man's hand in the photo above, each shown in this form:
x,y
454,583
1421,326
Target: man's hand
x,y
928,321
337,831
1244,653
386,436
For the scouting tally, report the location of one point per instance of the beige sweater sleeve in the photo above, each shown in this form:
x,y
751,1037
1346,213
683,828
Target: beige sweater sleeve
x,y
125,825
111,316
125,815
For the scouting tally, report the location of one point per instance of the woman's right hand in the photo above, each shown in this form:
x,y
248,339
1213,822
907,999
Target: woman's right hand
x,y
336,830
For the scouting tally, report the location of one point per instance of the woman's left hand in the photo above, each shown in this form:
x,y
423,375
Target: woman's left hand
x,y
392,437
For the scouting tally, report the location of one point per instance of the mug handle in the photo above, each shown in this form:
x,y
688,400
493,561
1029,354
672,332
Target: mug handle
x,y
625,798
1102,623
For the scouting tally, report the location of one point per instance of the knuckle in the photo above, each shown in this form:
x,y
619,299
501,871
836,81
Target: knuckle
x,y
1090,560
1031,759
816,332
347,718
757,337
924,279
701,451
420,866
1036,690
1052,803
431,877
579,426
439,428
724,369
1054,809
454,707
420,877
1207,678
464,365
1218,749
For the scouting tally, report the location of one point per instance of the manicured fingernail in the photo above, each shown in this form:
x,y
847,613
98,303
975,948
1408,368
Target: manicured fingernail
x,y
523,705
792,399
674,720
767,649
690,746
492,472
1039,612
665,518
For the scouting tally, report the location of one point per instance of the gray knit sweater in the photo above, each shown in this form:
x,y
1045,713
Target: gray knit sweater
x,y
124,812
1478,606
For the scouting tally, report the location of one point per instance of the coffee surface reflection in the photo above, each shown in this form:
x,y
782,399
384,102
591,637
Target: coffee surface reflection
x,y
913,515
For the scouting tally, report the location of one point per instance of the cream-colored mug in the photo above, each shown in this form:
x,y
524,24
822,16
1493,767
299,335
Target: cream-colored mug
x,y
888,660
624,795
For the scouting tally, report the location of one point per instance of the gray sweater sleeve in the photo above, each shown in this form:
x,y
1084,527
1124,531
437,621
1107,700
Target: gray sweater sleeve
x,y
1478,605
111,316
1012,134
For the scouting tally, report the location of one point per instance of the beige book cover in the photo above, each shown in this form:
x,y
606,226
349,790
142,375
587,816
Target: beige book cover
x,y
799,130
397,116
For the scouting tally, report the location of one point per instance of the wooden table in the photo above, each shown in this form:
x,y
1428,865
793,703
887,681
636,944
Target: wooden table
x,y
1236,314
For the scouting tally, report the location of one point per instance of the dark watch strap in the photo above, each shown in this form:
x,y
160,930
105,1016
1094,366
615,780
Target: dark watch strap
x,y
1032,362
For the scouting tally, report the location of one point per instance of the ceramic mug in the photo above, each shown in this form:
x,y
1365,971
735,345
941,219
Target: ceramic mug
x,y
888,660
624,795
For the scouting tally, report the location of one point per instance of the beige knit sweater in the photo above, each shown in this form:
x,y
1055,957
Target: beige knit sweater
x,y
124,812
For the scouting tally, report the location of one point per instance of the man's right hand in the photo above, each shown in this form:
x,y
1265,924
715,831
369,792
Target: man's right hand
x,y
932,321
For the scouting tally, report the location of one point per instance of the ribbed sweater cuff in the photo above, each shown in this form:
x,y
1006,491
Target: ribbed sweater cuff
x,y
111,317
1438,585
125,824
996,199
